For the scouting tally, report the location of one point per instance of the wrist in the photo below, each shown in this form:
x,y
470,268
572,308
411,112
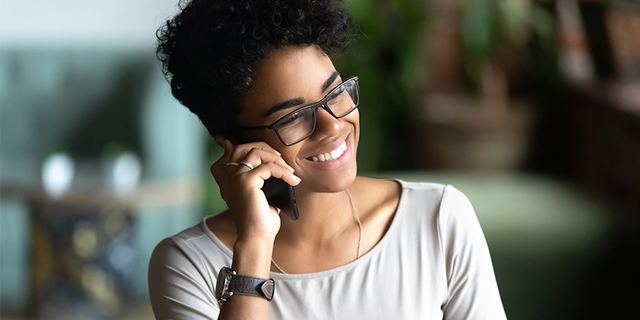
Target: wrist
x,y
254,236
252,257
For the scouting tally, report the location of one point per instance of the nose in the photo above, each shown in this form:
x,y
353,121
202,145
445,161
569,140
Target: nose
x,y
326,124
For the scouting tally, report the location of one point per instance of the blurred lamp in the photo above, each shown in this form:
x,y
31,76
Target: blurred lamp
x,y
126,173
57,174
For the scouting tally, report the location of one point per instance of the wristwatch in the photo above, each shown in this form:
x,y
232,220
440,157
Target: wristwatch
x,y
230,283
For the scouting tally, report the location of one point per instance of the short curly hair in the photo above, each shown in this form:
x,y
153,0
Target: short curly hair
x,y
210,50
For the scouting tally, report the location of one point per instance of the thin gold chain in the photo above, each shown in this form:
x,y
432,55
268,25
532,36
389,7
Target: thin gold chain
x,y
277,266
355,214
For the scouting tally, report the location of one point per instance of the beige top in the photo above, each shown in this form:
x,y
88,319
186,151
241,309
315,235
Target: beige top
x,y
433,263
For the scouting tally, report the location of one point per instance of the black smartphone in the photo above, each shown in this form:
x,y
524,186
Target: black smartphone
x,y
282,196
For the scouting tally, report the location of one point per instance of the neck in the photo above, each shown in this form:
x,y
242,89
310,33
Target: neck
x,y
323,216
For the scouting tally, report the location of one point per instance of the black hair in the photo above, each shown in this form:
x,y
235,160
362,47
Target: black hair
x,y
210,50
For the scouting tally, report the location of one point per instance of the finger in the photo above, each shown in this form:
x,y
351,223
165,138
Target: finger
x,y
255,154
227,150
227,144
240,151
232,151
256,157
270,169
219,168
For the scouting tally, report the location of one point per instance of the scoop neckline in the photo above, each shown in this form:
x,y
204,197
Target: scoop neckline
x,y
325,273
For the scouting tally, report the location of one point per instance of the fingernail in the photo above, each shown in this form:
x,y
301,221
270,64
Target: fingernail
x,y
297,178
291,169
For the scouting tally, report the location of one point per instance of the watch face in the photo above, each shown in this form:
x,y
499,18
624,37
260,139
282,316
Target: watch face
x,y
222,285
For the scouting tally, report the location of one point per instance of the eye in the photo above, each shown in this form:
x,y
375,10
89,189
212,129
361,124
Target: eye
x,y
338,96
292,119
337,92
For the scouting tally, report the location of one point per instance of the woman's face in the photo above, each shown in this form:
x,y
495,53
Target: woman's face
x,y
290,78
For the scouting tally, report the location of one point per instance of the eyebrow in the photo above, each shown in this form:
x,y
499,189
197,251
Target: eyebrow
x,y
329,81
285,105
298,101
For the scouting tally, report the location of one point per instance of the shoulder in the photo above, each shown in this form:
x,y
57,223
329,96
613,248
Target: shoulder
x,y
456,214
399,195
428,195
182,275
429,189
446,197
443,209
195,247
185,237
177,248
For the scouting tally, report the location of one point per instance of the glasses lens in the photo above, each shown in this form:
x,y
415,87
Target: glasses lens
x,y
344,98
301,123
296,125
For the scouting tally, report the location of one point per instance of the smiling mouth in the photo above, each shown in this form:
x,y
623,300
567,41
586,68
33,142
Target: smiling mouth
x,y
335,154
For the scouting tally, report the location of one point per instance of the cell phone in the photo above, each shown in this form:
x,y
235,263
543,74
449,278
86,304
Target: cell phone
x,y
282,196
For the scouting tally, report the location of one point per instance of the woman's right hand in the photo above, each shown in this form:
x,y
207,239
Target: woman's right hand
x,y
241,187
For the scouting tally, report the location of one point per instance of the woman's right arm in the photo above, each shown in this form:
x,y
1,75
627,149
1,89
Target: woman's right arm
x,y
256,224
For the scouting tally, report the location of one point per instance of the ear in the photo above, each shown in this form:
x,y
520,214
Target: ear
x,y
218,139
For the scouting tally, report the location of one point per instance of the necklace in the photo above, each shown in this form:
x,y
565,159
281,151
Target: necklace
x,y
355,214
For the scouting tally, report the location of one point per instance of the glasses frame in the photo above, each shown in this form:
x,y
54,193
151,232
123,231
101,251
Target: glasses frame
x,y
315,106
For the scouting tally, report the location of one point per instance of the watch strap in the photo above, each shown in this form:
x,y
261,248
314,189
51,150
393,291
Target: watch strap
x,y
252,286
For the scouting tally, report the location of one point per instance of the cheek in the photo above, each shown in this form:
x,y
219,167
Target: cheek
x,y
290,156
354,118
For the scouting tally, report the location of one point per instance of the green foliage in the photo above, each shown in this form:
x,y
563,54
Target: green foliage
x,y
388,56
489,28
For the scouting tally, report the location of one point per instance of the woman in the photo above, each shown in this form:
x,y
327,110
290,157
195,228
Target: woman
x,y
259,76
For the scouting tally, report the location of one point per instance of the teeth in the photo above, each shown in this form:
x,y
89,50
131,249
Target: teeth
x,y
335,154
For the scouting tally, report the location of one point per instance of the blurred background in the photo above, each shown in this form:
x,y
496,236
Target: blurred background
x,y
530,107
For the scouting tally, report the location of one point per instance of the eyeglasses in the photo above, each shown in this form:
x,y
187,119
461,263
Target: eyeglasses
x,y
301,123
